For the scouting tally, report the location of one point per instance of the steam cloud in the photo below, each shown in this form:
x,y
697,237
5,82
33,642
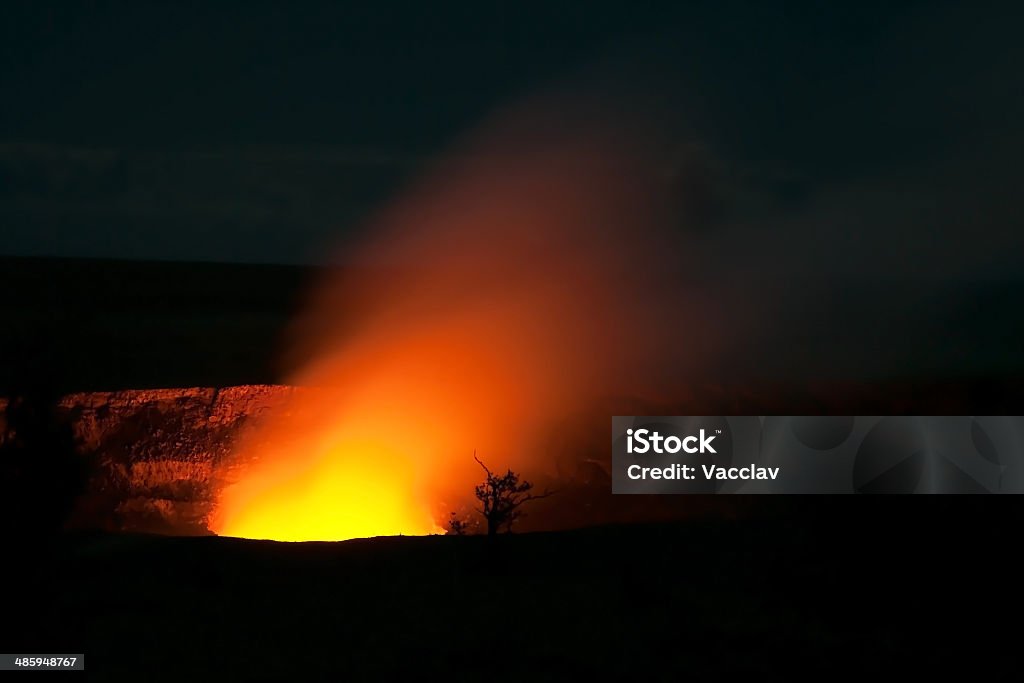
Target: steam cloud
x,y
535,271
550,263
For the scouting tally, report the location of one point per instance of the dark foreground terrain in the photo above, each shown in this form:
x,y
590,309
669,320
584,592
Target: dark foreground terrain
x,y
832,586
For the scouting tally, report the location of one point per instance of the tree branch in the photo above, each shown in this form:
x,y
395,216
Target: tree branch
x,y
517,502
481,463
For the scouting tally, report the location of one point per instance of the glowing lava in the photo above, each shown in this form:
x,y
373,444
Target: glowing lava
x,y
341,494
379,450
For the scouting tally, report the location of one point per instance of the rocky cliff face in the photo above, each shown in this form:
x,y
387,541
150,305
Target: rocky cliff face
x,y
153,453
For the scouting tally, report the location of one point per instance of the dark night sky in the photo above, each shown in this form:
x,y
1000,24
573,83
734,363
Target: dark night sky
x,y
258,132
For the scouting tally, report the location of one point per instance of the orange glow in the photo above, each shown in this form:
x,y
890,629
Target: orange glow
x,y
340,495
509,288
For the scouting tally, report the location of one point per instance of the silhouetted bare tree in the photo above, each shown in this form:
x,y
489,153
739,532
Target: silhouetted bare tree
x,y
501,496
457,526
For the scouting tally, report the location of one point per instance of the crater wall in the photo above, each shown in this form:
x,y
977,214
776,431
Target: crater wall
x,y
153,453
